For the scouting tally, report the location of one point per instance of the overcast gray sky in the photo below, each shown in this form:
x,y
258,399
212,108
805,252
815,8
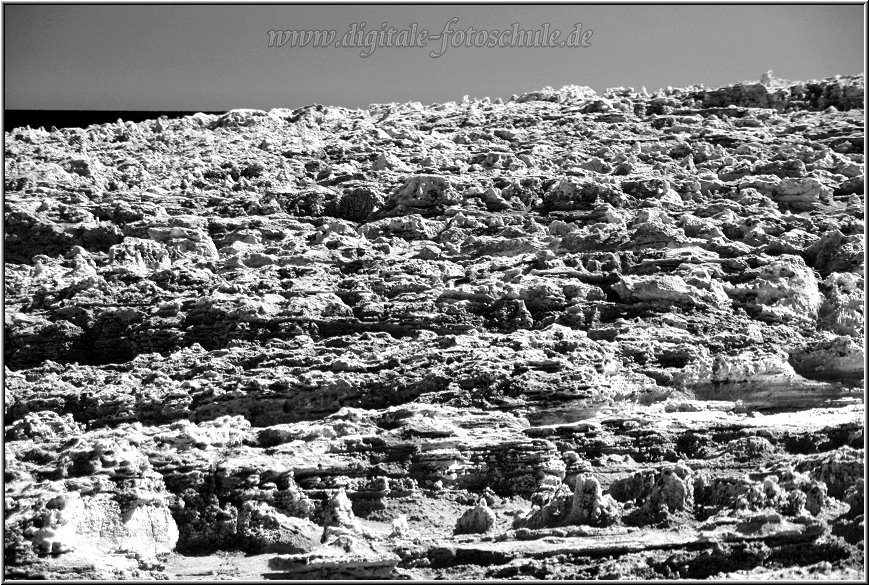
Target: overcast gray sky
x,y
217,57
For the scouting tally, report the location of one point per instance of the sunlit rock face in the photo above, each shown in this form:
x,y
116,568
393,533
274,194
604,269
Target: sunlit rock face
x,y
563,336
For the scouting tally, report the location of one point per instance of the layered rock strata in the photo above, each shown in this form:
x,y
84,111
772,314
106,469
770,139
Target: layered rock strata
x,y
565,336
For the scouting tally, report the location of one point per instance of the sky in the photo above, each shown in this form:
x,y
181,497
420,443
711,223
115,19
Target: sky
x,y
214,58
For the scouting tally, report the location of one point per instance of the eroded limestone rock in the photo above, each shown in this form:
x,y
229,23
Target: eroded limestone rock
x,y
632,322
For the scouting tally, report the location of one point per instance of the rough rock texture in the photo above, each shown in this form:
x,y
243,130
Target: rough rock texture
x,y
478,519
568,336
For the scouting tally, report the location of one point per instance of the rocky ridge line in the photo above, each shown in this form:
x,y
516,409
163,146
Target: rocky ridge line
x,y
567,336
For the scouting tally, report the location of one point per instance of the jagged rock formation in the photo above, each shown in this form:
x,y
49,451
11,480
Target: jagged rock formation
x,y
566,336
479,519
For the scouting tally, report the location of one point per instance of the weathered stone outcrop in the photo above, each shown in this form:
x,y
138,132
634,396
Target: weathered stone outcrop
x,y
565,336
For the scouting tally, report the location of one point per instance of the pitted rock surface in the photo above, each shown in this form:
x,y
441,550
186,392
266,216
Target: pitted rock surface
x,y
566,336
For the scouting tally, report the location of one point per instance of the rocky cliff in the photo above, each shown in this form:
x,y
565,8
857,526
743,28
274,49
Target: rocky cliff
x,y
566,336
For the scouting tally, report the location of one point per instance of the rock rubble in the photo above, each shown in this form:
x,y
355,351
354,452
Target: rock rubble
x,y
566,336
